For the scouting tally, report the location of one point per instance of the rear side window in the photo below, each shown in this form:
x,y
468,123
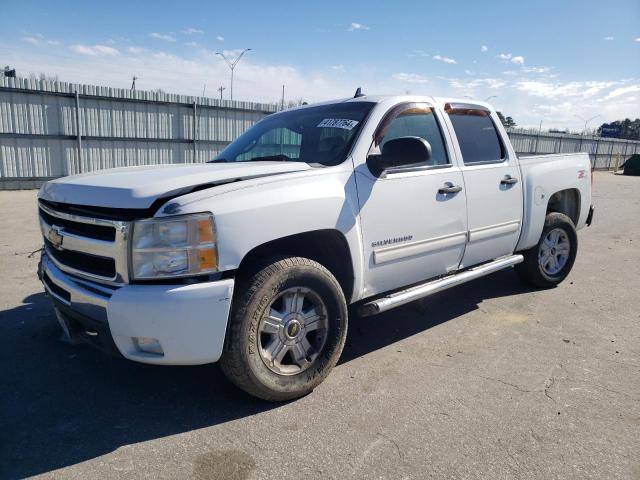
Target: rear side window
x,y
414,120
477,135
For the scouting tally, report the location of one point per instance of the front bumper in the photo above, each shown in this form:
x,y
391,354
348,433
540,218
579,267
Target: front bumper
x,y
189,321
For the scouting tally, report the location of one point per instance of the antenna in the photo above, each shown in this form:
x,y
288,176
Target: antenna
x,y
358,93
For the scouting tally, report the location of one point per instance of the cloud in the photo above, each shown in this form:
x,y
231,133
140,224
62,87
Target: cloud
x,y
358,26
339,68
31,40
38,39
93,50
637,39
622,91
163,36
193,31
609,38
410,78
536,69
136,50
508,57
444,59
191,44
484,48
185,71
467,85
570,89
220,38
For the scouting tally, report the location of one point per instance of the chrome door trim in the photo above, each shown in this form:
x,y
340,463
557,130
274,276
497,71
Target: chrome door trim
x,y
420,247
482,233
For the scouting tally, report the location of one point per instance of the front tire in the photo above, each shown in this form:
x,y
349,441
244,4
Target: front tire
x,y
287,329
550,261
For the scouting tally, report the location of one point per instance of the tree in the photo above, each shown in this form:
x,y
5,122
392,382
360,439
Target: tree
x,y
507,122
627,129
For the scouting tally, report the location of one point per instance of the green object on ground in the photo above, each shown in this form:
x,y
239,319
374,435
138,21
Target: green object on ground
x,y
632,165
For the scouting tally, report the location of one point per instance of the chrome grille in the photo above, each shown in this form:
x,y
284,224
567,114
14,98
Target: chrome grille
x,y
92,248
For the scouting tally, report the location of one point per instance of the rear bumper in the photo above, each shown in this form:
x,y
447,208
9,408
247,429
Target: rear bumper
x,y
590,216
188,321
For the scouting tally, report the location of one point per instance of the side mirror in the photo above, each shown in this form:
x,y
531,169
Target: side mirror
x,y
399,152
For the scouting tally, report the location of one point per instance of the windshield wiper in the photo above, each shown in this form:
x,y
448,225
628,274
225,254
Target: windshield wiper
x,y
267,158
281,157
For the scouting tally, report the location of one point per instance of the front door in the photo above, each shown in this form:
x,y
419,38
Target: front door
x,y
492,182
413,221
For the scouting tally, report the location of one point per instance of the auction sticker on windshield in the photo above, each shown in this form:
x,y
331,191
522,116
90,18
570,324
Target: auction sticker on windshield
x,y
343,123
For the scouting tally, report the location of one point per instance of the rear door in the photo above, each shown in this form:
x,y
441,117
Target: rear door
x,y
492,180
412,229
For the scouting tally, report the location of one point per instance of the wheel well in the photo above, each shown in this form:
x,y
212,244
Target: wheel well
x,y
327,247
567,202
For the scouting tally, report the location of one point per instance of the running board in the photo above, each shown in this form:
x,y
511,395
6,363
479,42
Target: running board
x,y
425,289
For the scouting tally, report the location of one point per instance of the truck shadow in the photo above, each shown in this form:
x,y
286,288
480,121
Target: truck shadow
x,y
63,404
367,334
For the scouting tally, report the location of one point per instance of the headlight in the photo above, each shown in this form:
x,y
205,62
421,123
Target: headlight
x,y
177,246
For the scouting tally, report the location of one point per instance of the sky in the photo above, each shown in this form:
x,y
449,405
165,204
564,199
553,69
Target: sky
x,y
559,62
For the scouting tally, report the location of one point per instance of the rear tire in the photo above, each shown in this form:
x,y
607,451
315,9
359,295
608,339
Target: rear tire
x,y
287,329
550,261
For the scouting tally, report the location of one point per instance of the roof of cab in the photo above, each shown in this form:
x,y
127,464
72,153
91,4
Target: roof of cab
x,y
393,99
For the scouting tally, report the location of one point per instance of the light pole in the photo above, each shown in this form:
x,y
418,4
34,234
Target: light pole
x,y
232,65
489,98
586,121
584,130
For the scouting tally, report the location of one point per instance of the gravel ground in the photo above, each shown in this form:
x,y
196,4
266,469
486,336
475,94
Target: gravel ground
x,y
490,380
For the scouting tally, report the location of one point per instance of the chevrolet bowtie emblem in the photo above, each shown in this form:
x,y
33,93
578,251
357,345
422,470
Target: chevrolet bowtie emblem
x,y
54,235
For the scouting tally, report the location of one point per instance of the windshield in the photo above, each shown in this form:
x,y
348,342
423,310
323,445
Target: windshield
x,y
321,135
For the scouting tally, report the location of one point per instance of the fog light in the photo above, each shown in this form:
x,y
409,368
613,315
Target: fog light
x,y
148,345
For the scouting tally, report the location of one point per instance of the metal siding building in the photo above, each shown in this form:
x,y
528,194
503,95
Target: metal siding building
x,y
52,129
40,122
604,152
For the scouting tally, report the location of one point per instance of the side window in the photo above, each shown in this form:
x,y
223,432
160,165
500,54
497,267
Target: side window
x,y
415,121
477,135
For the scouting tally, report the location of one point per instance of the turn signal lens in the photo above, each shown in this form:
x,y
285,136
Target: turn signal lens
x,y
207,258
205,231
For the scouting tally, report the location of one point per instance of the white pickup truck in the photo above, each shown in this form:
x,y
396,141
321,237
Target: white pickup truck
x,y
252,259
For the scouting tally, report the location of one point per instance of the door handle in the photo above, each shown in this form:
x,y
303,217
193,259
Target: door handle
x,y
508,180
449,188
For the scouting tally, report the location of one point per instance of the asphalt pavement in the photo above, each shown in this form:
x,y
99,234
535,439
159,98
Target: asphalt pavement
x,y
490,380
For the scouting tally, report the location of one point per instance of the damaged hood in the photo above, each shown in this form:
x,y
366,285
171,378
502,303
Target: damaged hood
x,y
139,187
